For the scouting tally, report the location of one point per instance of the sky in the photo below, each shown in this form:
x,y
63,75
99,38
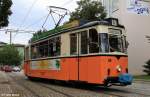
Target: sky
x,y
29,18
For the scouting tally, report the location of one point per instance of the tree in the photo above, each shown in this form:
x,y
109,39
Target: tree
x,y
88,10
5,12
9,55
147,67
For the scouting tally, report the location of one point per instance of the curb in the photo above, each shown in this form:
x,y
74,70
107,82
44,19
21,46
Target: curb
x,y
141,81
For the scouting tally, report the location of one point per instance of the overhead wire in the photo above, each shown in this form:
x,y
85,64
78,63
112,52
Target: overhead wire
x,y
28,12
26,16
50,13
66,3
36,22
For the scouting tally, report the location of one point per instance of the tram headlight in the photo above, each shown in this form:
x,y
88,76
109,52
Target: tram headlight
x,y
119,69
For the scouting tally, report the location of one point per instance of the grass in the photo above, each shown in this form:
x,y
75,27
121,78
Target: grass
x,y
142,77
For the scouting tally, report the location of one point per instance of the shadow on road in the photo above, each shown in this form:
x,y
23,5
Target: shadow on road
x,y
77,85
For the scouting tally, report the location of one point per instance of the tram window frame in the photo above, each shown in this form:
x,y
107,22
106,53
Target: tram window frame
x,y
43,49
54,46
84,42
120,39
93,42
33,52
126,44
104,42
26,57
57,46
73,43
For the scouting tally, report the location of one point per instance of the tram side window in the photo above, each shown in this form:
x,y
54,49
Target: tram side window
x,y
73,44
33,52
27,53
54,47
93,41
104,43
84,42
43,49
57,46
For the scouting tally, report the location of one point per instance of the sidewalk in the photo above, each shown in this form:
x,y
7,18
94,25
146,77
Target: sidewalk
x,y
5,87
3,77
141,81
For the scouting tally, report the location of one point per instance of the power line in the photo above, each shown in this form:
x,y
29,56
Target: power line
x,y
37,21
28,12
15,31
18,31
26,16
66,3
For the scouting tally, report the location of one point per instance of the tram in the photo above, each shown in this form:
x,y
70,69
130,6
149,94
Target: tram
x,y
93,52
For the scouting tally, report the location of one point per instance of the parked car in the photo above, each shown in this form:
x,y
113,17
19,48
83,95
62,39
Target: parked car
x,y
7,68
16,69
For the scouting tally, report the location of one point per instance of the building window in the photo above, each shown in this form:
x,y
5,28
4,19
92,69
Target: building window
x,y
84,42
93,41
73,44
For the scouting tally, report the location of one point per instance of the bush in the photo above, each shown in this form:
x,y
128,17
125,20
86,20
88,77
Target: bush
x,y
9,55
147,67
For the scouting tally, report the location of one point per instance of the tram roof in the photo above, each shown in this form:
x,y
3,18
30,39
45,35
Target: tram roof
x,y
85,24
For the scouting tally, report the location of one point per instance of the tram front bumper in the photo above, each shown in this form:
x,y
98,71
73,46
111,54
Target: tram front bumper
x,y
125,79
121,80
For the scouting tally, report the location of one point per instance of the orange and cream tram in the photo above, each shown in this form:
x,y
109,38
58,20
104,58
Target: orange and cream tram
x,y
93,52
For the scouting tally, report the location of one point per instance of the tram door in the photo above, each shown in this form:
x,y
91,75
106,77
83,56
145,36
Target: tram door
x,y
83,50
88,44
79,47
74,61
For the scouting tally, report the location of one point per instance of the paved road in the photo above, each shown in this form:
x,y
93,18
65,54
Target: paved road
x,y
17,85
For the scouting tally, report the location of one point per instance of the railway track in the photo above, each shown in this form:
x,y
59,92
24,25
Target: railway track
x,y
131,91
119,92
61,89
39,84
57,91
34,94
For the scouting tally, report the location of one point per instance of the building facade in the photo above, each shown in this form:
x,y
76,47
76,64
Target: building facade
x,y
135,16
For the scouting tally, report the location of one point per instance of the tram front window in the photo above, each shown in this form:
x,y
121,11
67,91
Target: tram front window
x,y
116,43
103,40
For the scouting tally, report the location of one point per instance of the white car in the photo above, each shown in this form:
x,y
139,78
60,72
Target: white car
x,y
16,69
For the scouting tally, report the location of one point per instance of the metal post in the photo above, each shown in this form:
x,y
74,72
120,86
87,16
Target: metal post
x,y
10,37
